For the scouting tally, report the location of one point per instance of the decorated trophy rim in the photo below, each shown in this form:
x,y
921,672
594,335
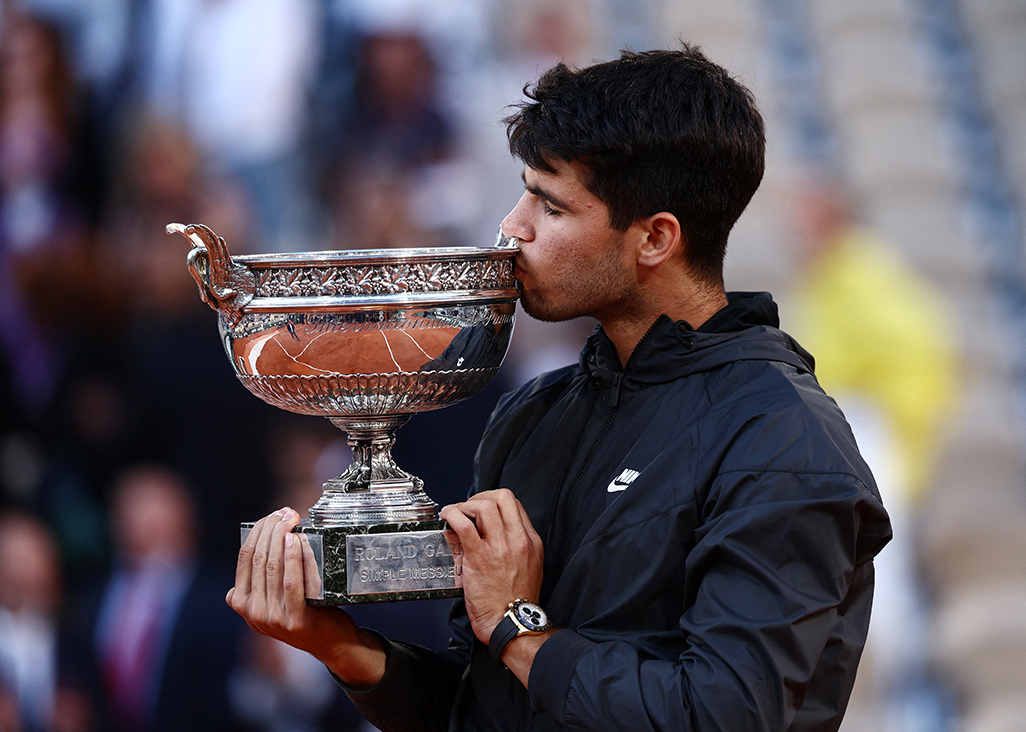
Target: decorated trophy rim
x,y
372,282
337,281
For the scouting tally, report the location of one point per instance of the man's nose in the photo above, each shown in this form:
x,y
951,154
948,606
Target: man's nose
x,y
515,225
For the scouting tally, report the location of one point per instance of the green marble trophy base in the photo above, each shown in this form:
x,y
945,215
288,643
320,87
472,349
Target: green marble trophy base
x,y
352,565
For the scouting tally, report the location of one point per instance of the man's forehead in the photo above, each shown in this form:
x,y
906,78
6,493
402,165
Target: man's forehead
x,y
566,174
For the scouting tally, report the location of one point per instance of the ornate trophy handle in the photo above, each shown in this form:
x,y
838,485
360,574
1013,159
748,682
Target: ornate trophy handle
x,y
223,284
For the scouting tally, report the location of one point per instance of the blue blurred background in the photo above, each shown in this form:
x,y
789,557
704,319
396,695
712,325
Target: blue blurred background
x,y
888,227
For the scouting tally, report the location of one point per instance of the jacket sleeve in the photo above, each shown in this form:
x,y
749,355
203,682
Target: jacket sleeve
x,y
780,578
417,691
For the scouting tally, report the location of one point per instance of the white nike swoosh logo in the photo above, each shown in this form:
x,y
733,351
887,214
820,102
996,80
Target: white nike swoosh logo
x,y
623,480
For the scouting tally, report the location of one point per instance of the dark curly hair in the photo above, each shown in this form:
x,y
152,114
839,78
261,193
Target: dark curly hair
x,y
658,131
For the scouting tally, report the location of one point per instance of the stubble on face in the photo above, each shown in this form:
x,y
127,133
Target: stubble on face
x,y
580,289
575,265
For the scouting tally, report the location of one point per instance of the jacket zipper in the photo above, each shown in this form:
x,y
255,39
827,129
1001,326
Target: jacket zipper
x,y
614,402
568,502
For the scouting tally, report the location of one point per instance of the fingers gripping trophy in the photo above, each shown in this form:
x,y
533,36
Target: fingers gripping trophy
x,y
366,339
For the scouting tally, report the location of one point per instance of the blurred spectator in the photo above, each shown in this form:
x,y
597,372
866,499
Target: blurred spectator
x,y
46,266
397,170
153,644
238,74
31,592
880,332
881,337
39,121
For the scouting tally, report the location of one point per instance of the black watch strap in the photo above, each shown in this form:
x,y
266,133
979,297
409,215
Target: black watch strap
x,y
504,632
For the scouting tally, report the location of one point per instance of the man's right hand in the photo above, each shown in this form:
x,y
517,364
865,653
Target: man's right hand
x,y
270,594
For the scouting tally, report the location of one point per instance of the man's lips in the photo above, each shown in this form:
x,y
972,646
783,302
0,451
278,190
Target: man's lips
x,y
518,271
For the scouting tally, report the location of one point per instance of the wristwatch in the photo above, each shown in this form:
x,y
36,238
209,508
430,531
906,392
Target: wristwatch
x,y
522,618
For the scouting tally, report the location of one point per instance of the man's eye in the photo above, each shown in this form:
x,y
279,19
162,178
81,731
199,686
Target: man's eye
x,y
549,211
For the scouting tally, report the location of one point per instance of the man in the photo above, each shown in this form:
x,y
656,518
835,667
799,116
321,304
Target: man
x,y
147,649
686,505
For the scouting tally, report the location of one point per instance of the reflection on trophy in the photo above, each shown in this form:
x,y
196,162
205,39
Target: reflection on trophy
x,y
366,339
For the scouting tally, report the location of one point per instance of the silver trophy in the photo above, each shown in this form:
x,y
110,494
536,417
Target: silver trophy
x,y
366,339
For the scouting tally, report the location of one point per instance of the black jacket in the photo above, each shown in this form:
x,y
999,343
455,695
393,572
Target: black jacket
x,y
709,530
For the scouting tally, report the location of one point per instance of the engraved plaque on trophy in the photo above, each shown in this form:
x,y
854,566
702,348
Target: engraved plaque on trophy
x,y
366,339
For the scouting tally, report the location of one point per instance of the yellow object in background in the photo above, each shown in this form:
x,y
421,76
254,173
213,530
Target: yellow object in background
x,y
881,333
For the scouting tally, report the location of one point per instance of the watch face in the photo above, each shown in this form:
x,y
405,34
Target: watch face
x,y
532,616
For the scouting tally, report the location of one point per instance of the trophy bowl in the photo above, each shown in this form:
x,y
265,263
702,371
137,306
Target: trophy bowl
x,y
366,339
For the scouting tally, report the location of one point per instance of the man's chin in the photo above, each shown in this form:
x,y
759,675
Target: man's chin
x,y
539,311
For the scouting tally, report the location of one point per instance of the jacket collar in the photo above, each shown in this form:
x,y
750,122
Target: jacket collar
x,y
746,329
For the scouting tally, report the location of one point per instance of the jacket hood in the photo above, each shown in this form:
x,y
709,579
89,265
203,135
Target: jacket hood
x,y
746,329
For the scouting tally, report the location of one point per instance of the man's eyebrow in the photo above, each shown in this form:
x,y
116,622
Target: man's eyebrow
x,y
537,190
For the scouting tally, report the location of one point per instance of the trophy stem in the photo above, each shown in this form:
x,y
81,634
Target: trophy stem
x,y
373,489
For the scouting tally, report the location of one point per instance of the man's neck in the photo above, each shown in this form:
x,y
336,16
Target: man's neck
x,y
693,305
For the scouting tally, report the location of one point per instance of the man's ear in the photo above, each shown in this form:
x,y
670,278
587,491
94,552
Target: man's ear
x,y
661,239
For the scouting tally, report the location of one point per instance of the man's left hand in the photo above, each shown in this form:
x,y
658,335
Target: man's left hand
x,y
502,556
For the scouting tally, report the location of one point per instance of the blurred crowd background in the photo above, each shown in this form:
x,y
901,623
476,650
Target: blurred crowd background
x,y
889,228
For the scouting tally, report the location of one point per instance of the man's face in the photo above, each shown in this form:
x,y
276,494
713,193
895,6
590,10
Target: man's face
x,y
571,263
